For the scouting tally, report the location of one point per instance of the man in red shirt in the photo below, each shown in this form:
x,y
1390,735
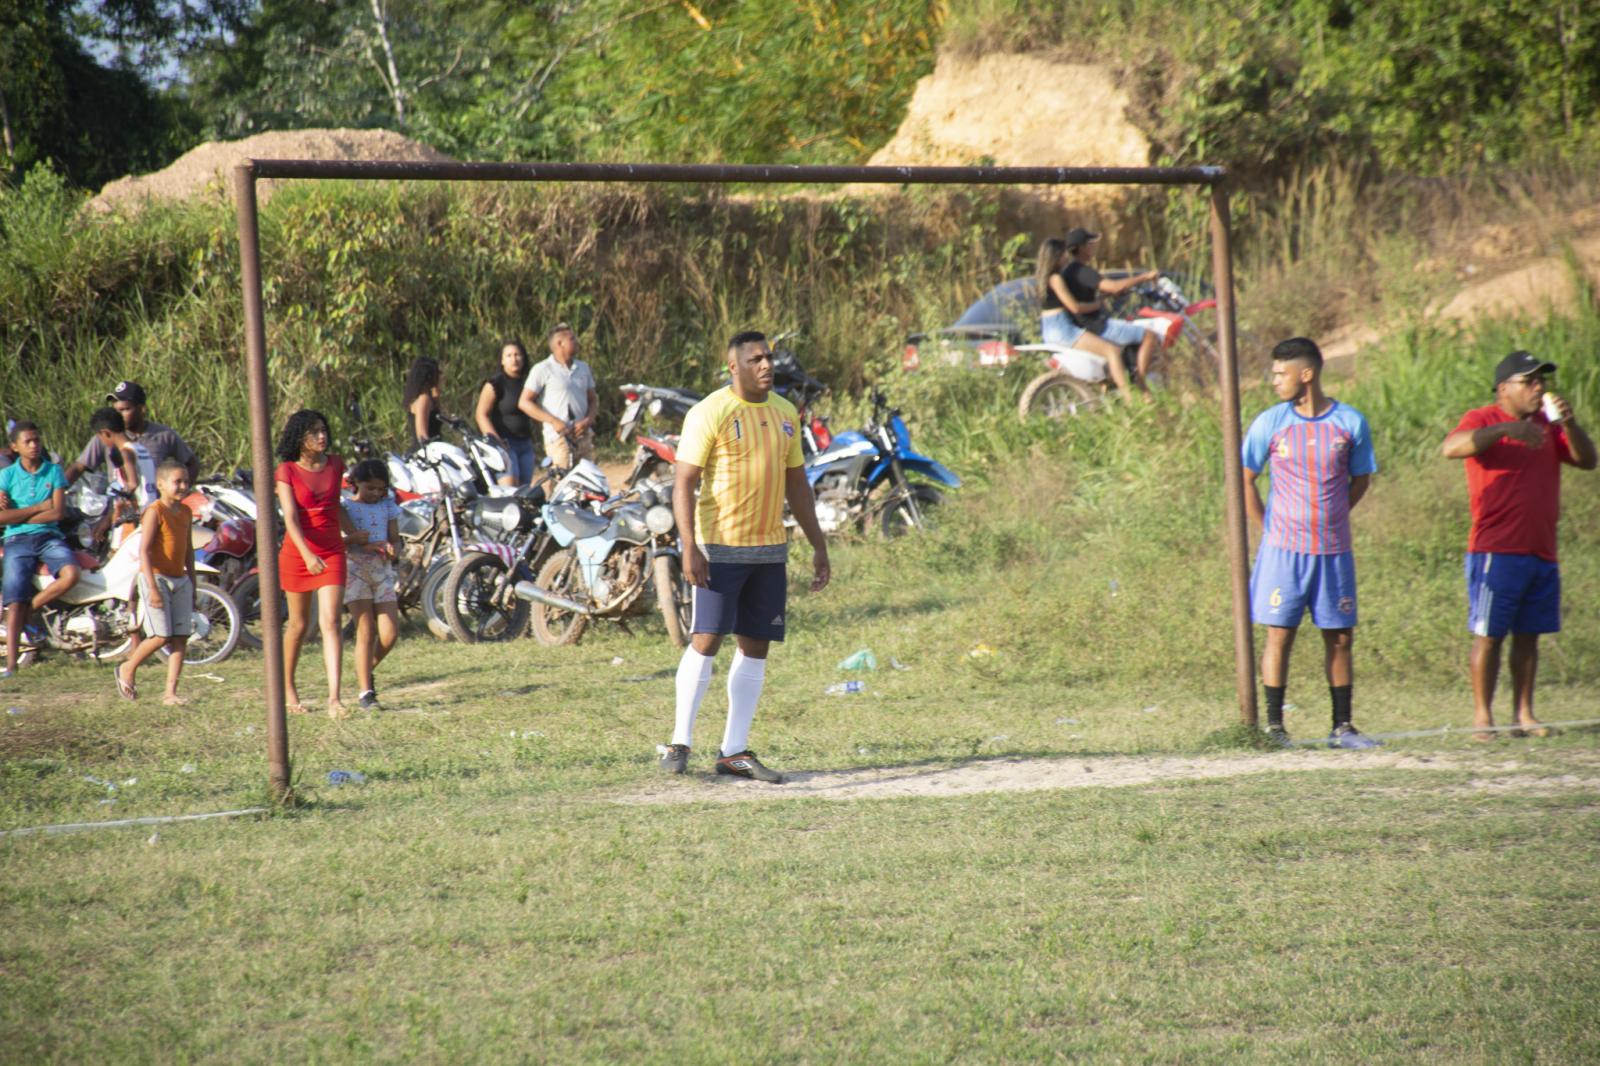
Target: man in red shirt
x,y
1514,449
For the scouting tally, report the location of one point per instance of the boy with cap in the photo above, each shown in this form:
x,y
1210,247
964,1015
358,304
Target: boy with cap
x,y
1514,449
160,441
1086,286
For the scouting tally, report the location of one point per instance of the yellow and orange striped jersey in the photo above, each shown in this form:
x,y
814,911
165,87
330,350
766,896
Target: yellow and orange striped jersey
x,y
743,450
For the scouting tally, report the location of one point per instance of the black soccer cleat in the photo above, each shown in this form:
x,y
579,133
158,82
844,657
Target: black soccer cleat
x,y
675,760
745,764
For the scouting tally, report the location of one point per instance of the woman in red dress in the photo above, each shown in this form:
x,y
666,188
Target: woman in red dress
x,y
311,563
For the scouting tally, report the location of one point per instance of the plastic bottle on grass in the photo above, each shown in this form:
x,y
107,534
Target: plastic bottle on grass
x,y
346,777
846,688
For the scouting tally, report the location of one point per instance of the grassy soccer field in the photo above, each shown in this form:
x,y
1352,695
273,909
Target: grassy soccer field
x,y
516,882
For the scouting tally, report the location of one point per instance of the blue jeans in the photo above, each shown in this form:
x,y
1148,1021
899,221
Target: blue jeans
x,y
1058,329
523,461
24,553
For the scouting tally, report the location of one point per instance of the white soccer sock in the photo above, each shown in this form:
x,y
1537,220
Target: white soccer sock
x,y
694,677
745,678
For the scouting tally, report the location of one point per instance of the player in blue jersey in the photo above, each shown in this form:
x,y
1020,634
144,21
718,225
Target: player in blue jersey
x,y
1318,454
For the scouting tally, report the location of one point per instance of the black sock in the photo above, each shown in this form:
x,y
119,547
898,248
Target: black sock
x,y
1274,705
1341,704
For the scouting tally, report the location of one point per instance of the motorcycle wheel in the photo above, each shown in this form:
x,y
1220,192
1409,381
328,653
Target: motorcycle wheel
x,y
433,598
908,512
247,594
475,592
1057,394
552,626
223,627
674,597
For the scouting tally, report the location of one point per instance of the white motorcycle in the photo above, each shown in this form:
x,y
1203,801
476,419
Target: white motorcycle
x,y
99,616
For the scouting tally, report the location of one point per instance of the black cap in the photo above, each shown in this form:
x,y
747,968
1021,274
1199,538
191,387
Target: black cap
x,y
128,392
1079,237
1520,363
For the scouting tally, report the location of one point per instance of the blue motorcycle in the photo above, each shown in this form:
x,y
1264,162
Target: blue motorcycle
x,y
872,477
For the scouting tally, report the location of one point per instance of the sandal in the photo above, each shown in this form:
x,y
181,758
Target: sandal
x,y
174,701
1534,729
296,708
337,710
1483,737
125,688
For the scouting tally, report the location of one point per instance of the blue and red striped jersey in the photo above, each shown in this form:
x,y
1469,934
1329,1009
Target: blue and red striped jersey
x,y
1311,463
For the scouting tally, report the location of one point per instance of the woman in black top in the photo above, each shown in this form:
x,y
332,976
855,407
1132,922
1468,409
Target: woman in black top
x,y
423,382
1067,313
499,416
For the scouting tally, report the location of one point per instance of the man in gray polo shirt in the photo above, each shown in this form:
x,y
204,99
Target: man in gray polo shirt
x,y
560,394
160,441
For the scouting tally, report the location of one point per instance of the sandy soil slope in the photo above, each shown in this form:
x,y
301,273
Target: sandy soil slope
x,y
204,170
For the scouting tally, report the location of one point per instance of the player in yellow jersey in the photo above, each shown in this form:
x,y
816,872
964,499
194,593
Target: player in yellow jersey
x,y
741,449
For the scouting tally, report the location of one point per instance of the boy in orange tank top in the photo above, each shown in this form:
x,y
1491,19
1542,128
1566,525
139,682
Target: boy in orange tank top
x,y
166,582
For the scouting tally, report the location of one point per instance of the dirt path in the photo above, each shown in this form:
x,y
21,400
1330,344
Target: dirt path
x,y
1032,775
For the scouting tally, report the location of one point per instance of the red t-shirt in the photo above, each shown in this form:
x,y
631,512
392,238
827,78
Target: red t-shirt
x,y
1515,489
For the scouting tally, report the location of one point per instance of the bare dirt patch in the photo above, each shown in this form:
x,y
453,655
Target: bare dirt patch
x,y
1028,775
203,170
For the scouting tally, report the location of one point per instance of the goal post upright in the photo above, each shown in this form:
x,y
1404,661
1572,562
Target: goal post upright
x,y
247,172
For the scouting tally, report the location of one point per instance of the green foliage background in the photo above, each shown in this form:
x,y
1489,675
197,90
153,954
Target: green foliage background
x,y
361,279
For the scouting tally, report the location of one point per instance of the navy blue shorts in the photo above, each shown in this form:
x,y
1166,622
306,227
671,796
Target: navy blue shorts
x,y
1286,584
746,599
1512,594
24,553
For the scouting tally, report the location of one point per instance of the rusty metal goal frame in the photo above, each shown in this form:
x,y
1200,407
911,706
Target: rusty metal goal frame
x,y
248,172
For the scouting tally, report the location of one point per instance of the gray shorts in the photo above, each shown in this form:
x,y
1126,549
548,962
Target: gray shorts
x,y
175,616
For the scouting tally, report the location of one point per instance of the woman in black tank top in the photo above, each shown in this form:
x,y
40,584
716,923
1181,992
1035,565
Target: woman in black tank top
x,y
499,416
423,382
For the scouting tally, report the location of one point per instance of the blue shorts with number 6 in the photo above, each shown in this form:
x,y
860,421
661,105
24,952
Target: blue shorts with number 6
x,y
1285,584
1512,594
746,599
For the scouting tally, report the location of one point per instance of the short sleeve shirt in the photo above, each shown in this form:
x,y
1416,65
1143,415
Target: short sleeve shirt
x,y
373,518
160,441
563,391
27,489
1515,490
744,451
1083,282
1310,462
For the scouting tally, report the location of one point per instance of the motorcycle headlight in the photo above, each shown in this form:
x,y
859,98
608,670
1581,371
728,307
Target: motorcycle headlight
x,y
659,520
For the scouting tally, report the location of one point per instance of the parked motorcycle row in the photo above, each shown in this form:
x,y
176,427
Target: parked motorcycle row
x,y
483,562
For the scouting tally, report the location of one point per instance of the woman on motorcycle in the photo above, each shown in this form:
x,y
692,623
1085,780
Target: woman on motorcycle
x,y
1066,317
498,413
311,563
423,382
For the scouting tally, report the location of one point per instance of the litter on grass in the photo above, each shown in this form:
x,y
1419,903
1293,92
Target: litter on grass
x,y
861,660
16,710
82,827
981,650
897,664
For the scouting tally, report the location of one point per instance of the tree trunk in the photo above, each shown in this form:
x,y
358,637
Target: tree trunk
x,y
380,21
5,131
